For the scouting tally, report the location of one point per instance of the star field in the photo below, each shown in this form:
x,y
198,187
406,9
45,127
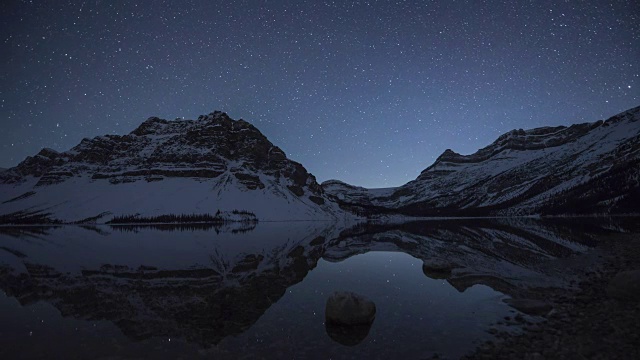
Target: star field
x,y
368,92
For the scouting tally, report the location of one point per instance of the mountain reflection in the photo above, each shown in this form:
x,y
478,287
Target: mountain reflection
x,y
204,284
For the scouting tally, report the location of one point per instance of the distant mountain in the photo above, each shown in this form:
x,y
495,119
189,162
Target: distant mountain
x,y
191,169
590,168
161,168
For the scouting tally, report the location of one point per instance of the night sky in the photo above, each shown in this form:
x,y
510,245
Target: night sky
x,y
368,92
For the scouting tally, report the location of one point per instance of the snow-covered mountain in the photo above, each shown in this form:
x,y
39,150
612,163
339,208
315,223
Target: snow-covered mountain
x,y
164,167
584,168
216,163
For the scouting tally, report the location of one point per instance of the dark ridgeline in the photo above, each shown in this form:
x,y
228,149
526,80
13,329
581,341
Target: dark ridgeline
x,y
28,218
218,218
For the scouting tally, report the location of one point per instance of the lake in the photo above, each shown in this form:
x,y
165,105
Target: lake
x,y
259,290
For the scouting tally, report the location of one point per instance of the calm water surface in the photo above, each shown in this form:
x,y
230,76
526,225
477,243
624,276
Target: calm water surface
x,y
260,292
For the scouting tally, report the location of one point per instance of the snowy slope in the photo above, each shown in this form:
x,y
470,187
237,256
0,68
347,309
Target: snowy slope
x,y
350,193
586,168
164,167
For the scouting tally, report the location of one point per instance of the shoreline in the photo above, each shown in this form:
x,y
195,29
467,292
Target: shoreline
x,y
399,219
586,322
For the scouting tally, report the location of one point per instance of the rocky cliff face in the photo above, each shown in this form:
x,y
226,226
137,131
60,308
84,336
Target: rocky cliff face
x,y
585,168
231,163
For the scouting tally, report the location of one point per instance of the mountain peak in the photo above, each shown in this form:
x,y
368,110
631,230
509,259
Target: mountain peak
x,y
231,159
448,155
157,126
149,126
48,153
540,138
582,168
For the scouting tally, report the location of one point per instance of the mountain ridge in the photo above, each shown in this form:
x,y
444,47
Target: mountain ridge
x,y
472,185
171,167
197,166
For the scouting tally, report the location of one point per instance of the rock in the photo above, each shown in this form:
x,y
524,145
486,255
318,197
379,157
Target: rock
x,y
438,265
347,335
347,308
437,268
529,306
625,286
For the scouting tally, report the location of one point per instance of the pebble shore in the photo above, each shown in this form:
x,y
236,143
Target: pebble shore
x,y
589,322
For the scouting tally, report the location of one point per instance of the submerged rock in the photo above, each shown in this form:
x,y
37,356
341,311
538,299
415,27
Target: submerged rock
x,y
347,308
530,307
437,268
348,335
625,286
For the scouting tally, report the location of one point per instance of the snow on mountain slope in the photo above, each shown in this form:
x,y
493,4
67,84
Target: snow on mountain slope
x,y
584,168
350,193
164,167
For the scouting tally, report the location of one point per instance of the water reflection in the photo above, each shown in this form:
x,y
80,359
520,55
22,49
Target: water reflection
x,y
231,227
348,335
223,289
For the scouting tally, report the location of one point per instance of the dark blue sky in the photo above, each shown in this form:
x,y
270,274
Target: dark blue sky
x,y
368,92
